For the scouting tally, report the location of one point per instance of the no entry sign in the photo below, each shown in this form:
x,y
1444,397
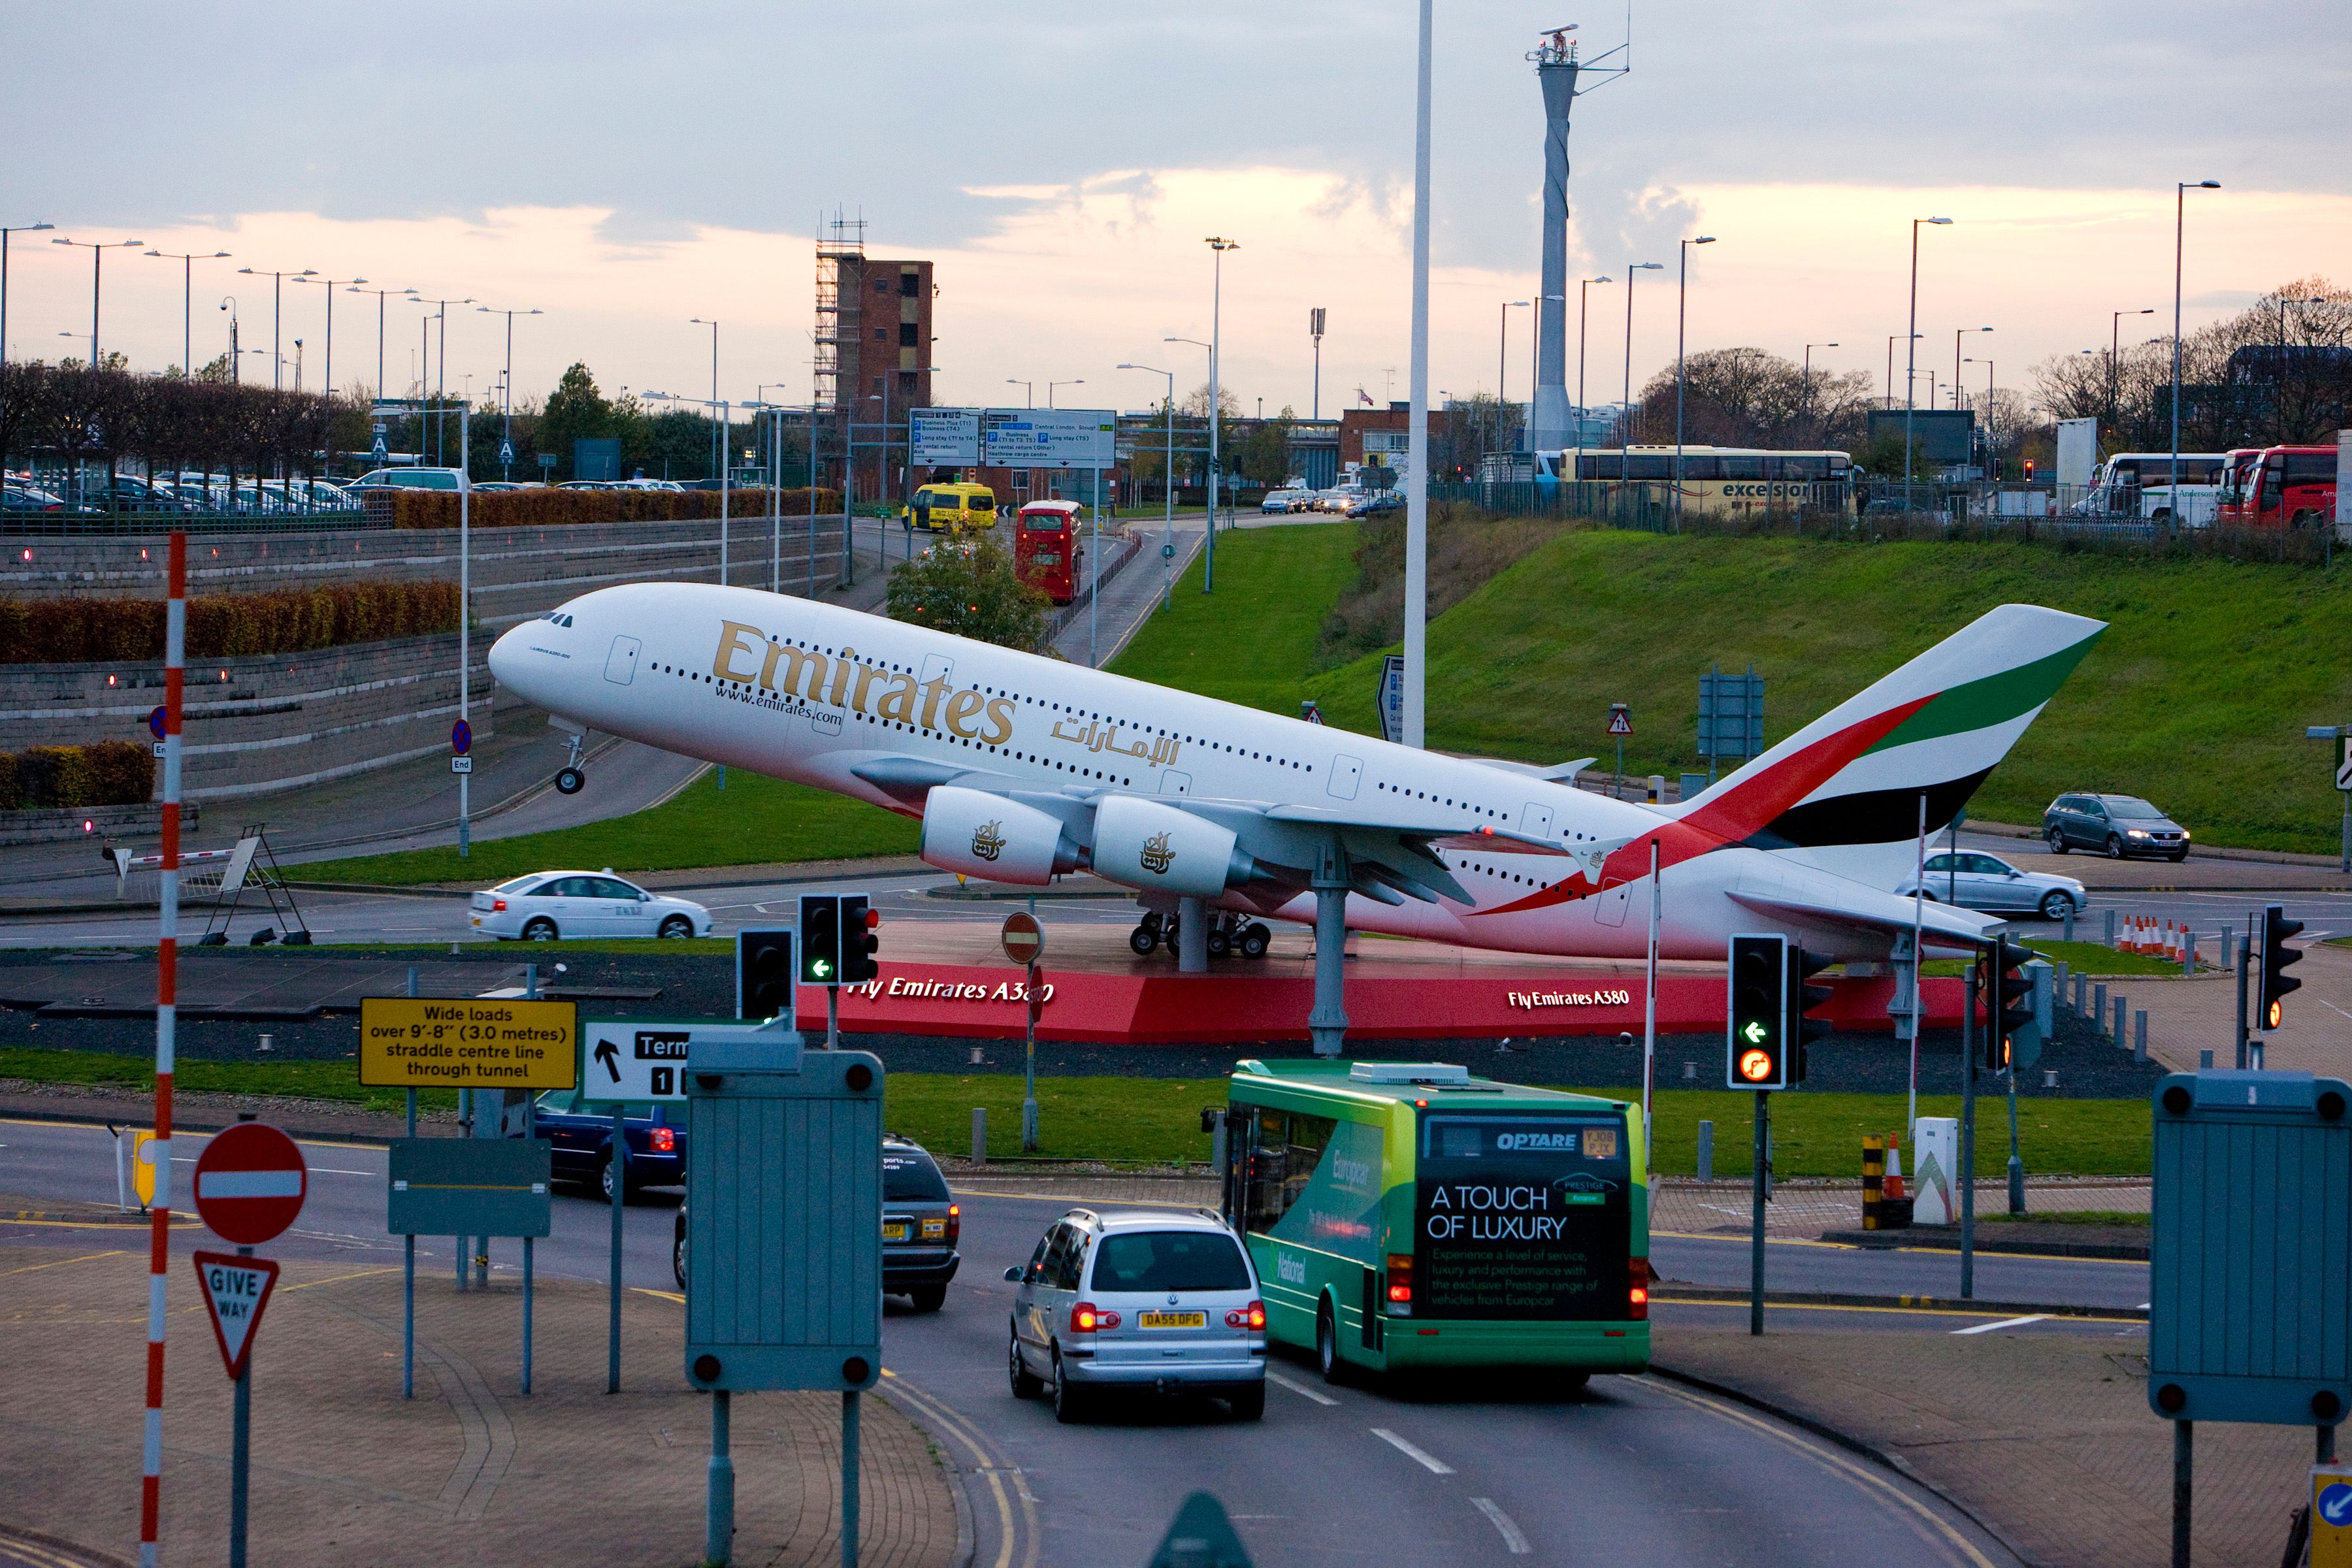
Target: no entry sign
x,y
250,1182
1023,939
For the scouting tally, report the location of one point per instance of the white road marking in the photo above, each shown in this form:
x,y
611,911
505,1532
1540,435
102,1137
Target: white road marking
x,y
1513,1536
2004,1323
1300,1389
2332,1006
1421,1457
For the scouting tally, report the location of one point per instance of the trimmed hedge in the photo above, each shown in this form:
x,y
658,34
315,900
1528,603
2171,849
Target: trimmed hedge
x,y
226,626
106,773
532,509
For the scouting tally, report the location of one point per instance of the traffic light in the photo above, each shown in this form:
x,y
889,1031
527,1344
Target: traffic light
x,y
763,974
2029,470
1757,1019
2277,959
2011,1004
1803,997
820,939
859,941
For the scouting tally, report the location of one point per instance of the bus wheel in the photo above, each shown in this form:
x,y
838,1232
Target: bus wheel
x,y
1327,1345
1143,939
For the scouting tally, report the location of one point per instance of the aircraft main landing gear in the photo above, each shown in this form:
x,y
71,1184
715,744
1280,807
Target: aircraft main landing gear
x,y
1146,937
1227,934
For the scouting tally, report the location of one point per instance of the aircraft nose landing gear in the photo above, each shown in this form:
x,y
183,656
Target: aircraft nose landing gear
x,y
569,779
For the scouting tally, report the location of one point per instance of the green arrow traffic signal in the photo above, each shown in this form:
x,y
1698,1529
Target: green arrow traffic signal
x,y
1754,1032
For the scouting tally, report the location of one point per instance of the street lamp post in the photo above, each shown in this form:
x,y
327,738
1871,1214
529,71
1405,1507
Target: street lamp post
x,y
1682,297
379,294
1028,390
1209,539
2114,355
1957,336
506,437
276,314
1051,384
1625,416
1219,245
1502,364
2179,224
1911,354
1167,490
5,233
97,249
441,357
327,379
1582,286
1808,382
228,303
187,260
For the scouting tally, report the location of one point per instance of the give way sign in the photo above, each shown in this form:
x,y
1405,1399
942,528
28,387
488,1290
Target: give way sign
x,y
250,1180
234,1290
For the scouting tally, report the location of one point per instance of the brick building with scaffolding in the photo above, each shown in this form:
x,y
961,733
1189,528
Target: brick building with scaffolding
x,y
874,333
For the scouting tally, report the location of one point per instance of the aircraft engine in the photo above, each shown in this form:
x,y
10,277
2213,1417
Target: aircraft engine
x,y
1162,850
976,834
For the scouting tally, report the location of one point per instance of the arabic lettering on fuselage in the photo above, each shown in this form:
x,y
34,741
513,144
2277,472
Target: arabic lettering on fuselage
x,y
844,680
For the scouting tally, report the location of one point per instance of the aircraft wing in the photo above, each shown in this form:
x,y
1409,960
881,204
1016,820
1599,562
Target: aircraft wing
x,y
1853,907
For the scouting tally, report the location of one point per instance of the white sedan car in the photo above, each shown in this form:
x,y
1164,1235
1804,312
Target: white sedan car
x,y
546,905
1979,881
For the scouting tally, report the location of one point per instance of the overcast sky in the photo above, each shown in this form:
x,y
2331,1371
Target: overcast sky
x,y
627,167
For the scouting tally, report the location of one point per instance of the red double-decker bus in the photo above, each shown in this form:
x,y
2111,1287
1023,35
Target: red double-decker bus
x,y
1045,548
2280,486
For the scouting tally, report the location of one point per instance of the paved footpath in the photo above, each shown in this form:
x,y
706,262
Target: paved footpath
x,y
344,1471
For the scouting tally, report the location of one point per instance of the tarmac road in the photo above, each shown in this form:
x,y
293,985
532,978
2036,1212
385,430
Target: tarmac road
x,y
1470,1471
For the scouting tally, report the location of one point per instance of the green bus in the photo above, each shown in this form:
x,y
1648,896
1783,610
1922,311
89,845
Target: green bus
x,y
1409,1216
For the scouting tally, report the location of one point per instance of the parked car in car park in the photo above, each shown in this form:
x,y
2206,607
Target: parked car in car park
x,y
1137,1301
545,905
2118,826
1975,880
921,1224
407,479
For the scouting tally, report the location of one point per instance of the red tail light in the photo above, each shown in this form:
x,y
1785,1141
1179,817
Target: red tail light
x,y
1251,1317
1400,1290
955,1223
1637,1293
497,904
663,1140
1085,1318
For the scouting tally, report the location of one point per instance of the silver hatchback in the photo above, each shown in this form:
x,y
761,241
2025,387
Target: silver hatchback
x,y
1147,1300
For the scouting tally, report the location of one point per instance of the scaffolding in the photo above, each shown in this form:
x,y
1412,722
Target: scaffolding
x,y
839,239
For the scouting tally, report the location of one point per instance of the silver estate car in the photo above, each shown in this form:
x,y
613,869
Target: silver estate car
x,y
1145,1300
1975,880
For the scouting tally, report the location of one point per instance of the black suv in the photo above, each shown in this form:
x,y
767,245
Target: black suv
x,y
2118,825
921,1225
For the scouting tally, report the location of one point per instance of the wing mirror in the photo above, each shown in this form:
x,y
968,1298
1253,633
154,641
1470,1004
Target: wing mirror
x,y
1012,1275
644,898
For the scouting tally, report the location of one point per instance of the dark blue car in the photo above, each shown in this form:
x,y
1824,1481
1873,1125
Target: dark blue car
x,y
582,1140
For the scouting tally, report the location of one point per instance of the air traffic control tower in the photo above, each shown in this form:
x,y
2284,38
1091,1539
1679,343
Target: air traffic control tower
x,y
1548,421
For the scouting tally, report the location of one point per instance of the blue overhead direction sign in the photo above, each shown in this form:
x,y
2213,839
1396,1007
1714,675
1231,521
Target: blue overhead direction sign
x,y
1049,437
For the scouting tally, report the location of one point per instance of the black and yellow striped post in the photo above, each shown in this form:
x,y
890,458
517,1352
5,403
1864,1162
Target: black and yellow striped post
x,y
1874,1177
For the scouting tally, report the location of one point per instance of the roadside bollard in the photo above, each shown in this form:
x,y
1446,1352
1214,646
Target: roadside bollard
x,y
1873,1179
2204,1061
2058,981
979,1135
1707,1150
2049,1078
2069,922
2120,1015
2139,1036
2099,1006
2226,962
2110,939
2187,953
2081,989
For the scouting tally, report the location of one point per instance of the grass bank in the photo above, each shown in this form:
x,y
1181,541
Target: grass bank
x,y
1157,1121
754,820
1253,640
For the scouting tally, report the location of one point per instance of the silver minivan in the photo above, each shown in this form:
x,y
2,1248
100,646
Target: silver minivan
x,y
1145,1300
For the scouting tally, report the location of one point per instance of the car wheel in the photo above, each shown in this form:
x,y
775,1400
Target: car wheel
x,y
2057,841
570,781
1255,940
1248,1403
539,930
1144,941
2114,847
676,927
604,1179
1025,1384
678,1258
929,1298
1069,1404
2055,906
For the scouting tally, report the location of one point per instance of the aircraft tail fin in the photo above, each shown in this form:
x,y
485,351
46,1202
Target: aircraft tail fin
x,y
1934,728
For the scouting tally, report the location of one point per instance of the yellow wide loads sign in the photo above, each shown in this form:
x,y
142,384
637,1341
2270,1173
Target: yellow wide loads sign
x,y
461,1042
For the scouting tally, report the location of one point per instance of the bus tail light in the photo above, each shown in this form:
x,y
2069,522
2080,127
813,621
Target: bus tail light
x,y
1252,1317
663,1141
1085,1318
1637,1293
955,1223
1400,1286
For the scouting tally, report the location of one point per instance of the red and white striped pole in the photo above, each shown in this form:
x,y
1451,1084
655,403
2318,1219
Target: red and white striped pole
x,y
167,966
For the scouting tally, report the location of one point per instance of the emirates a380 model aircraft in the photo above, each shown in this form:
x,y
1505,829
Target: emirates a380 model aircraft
x,y
1020,768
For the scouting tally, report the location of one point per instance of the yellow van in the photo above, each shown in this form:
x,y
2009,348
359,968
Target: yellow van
x,y
952,507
